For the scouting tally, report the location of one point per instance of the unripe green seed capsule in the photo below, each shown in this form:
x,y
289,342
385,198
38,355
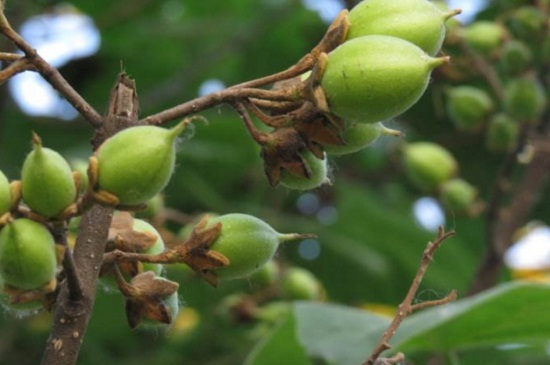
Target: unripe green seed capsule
x,y
157,248
136,163
318,169
48,186
468,106
248,243
516,57
5,194
484,36
356,137
172,302
458,195
524,98
428,165
528,23
374,78
416,21
300,284
502,133
265,275
27,254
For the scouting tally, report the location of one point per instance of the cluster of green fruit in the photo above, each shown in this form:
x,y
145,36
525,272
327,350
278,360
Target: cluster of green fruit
x,y
432,169
379,70
518,44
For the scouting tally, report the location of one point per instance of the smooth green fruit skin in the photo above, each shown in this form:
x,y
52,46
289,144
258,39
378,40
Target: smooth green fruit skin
x,y
136,163
468,106
374,78
458,195
356,137
157,248
319,171
300,284
484,36
5,194
428,165
248,243
48,185
502,133
416,21
27,254
524,99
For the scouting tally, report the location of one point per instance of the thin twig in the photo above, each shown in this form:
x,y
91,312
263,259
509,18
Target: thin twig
x,y
230,95
51,74
406,307
18,66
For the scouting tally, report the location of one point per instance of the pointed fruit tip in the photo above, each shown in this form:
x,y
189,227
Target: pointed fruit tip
x,y
449,14
285,237
36,140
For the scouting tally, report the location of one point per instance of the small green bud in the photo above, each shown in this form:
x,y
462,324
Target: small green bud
x,y
136,163
516,57
468,106
5,194
417,21
458,196
300,284
428,165
484,36
502,133
524,98
48,186
81,166
248,243
265,276
374,78
27,254
318,174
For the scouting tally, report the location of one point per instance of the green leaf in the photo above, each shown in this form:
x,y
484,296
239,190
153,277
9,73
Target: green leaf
x,y
337,334
510,313
280,347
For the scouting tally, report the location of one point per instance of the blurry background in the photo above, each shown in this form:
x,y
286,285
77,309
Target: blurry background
x,y
372,225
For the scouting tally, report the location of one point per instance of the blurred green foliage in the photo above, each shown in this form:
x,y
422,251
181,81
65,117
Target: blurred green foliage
x,y
369,254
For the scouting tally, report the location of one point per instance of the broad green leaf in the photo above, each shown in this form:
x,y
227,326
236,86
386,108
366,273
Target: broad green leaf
x,y
510,313
280,347
337,334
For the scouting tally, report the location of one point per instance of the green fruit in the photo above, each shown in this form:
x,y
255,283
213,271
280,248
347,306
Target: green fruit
x,y
468,106
458,195
136,163
265,276
48,186
516,57
248,243
318,174
5,194
374,78
502,133
157,248
300,284
356,137
155,206
417,21
19,310
81,166
484,36
428,165
185,232
528,23
27,254
524,99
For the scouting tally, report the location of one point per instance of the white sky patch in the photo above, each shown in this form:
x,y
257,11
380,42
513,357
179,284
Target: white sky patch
x,y
327,9
428,214
531,252
211,86
58,37
470,8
